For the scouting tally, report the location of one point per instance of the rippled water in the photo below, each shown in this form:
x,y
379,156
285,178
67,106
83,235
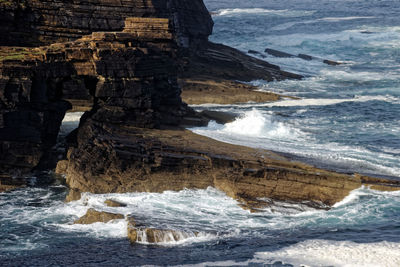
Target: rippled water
x,y
347,120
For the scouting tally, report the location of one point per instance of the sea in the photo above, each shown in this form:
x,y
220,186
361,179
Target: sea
x,y
343,118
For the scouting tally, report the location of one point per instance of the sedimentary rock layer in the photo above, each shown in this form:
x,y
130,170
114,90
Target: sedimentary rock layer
x,y
131,74
34,22
114,158
211,75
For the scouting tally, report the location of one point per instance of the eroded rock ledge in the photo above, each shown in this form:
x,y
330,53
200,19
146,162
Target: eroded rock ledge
x,y
111,158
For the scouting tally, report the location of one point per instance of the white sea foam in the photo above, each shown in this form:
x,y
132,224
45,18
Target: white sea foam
x,y
256,124
260,11
112,229
295,138
327,101
288,25
334,253
324,253
338,19
210,212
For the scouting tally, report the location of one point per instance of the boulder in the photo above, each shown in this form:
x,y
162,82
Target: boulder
x,y
93,216
218,116
154,236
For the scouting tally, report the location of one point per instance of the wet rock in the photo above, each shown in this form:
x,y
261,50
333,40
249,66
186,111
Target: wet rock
x,y
93,216
332,63
277,53
73,195
151,160
218,116
114,203
208,90
62,167
305,57
154,236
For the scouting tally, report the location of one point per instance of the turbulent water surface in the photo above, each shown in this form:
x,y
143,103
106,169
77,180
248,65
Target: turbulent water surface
x,y
347,120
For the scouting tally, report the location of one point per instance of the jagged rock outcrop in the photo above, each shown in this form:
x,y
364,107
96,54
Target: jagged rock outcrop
x,y
120,158
131,74
30,109
93,216
35,23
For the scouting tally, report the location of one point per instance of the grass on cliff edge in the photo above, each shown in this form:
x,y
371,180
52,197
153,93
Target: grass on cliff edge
x,y
7,53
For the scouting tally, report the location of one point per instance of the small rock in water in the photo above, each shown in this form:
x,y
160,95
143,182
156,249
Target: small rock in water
x,y
93,216
218,116
151,235
305,57
277,53
332,63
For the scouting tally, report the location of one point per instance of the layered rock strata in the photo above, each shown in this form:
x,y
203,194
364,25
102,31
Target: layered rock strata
x,y
131,75
35,23
118,159
210,70
211,75
130,140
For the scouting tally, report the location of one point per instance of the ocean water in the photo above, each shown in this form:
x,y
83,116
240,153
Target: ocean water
x,y
346,119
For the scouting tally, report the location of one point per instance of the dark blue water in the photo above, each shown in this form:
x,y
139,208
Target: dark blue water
x,y
347,119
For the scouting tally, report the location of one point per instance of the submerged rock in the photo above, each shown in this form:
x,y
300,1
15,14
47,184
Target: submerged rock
x,y
114,203
277,53
93,216
154,236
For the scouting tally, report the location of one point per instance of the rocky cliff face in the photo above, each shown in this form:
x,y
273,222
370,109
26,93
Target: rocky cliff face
x,y
131,139
131,75
34,22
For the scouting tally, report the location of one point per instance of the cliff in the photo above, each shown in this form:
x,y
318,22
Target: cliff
x,y
35,23
132,138
132,72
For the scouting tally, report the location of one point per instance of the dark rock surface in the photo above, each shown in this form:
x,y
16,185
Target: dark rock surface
x,y
131,139
34,22
211,75
111,158
131,74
